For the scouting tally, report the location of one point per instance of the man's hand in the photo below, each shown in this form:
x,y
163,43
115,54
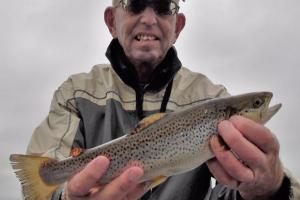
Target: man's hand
x,y
85,184
250,161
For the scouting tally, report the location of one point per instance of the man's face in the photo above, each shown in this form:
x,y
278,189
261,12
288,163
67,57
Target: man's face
x,y
145,37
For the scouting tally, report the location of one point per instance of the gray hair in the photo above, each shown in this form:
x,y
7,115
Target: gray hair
x,y
116,2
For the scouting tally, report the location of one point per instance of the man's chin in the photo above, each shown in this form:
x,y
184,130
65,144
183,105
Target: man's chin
x,y
146,58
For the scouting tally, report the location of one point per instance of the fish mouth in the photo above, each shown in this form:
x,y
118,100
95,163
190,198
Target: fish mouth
x,y
269,111
260,110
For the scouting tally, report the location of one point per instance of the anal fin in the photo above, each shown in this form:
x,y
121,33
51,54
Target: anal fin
x,y
156,181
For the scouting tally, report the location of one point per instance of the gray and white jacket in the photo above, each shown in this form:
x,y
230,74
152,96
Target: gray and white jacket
x,y
92,108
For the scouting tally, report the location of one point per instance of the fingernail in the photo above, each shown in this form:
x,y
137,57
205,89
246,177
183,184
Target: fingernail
x,y
235,117
135,175
101,162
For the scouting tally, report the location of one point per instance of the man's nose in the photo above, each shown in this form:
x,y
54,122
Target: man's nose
x,y
149,17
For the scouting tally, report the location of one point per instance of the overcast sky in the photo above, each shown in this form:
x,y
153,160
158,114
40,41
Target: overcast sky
x,y
245,45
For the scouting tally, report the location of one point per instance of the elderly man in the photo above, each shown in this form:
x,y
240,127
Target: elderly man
x,y
145,77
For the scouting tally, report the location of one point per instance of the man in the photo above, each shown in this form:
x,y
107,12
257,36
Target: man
x,y
145,77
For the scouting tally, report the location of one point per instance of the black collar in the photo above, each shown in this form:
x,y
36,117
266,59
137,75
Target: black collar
x,y
160,77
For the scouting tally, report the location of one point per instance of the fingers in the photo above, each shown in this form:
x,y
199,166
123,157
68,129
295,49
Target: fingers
x,y
243,148
86,179
221,175
246,158
228,167
258,134
126,185
86,185
137,192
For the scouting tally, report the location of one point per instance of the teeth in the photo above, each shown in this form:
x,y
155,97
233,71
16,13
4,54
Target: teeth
x,y
145,37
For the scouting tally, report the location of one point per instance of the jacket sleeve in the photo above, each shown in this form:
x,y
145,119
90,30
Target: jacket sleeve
x,y
289,190
54,136
294,186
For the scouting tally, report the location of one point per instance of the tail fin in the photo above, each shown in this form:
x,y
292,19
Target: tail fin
x,y
27,169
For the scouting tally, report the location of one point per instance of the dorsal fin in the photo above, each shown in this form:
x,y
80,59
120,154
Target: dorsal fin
x,y
147,122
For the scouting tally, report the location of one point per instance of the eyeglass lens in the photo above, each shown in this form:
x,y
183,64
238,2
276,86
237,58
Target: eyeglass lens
x,y
161,7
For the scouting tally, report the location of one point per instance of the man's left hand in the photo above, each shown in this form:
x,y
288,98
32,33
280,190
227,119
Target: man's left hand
x,y
249,161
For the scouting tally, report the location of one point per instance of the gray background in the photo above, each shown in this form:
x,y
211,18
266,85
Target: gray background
x,y
245,45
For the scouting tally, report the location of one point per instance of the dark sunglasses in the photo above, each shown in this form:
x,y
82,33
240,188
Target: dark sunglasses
x,y
161,7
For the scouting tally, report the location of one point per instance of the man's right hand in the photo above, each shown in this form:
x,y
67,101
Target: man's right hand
x,y
85,184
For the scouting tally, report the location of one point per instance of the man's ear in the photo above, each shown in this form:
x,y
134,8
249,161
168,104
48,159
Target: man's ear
x,y
180,23
109,18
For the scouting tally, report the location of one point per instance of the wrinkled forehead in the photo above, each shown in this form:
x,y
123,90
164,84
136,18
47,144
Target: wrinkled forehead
x,y
116,2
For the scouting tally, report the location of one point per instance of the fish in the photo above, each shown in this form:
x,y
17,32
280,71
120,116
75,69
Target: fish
x,y
163,145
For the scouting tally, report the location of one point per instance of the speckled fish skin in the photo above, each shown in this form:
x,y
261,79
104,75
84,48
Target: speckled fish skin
x,y
174,144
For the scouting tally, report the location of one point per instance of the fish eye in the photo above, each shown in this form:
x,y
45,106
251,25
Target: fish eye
x,y
257,103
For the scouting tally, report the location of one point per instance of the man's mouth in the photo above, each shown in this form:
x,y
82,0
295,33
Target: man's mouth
x,y
145,37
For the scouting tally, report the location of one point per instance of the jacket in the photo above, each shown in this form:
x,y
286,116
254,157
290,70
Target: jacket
x,y
92,108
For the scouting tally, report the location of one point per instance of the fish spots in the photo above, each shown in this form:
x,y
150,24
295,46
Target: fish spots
x,y
172,142
175,143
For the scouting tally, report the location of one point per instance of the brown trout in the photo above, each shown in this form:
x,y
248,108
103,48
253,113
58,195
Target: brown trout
x,y
162,144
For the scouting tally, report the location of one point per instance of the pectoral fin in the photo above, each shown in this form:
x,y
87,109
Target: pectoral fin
x,y
147,122
75,152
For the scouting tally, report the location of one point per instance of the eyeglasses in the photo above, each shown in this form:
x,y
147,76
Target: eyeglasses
x,y
161,7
